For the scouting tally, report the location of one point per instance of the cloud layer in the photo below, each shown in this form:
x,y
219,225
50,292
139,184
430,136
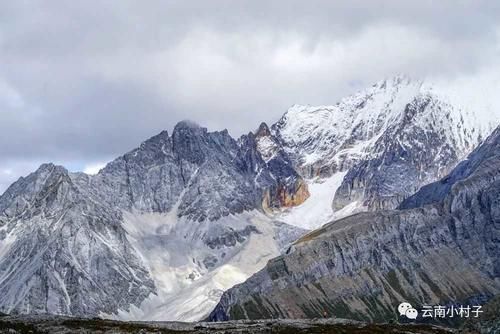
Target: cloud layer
x,y
82,82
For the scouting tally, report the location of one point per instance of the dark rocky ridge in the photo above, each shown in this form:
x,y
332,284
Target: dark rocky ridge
x,y
56,325
282,185
363,266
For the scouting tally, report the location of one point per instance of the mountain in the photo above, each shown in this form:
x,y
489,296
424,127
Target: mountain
x,y
163,230
375,148
436,191
178,213
361,267
61,253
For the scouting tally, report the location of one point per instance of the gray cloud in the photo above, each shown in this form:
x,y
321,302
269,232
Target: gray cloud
x,y
82,82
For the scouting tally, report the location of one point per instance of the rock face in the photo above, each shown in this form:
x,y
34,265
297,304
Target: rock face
x,y
264,156
436,191
62,253
390,139
67,244
363,266
209,175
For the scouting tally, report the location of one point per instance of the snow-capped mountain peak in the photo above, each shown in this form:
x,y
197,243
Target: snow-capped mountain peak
x,y
326,139
385,141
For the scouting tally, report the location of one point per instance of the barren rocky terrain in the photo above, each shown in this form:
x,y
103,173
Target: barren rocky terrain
x,y
51,324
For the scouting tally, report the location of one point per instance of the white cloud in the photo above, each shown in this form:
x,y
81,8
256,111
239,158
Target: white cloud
x,y
93,168
6,171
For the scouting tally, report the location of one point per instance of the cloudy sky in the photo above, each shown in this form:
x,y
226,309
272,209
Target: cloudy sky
x,y
82,82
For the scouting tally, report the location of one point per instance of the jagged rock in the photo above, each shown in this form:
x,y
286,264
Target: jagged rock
x,y
230,238
282,186
363,266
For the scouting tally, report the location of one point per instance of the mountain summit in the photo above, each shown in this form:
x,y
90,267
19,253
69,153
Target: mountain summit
x,y
384,143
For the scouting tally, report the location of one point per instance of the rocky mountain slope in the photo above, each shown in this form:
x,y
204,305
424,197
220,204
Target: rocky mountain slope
x,y
207,174
383,143
436,191
62,253
178,212
489,322
363,266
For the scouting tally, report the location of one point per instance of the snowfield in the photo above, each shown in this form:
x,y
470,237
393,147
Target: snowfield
x,y
173,249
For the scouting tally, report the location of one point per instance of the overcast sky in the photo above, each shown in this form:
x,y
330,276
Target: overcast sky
x,y
82,82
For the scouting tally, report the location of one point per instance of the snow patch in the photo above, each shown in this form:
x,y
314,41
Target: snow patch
x,y
267,148
317,209
348,210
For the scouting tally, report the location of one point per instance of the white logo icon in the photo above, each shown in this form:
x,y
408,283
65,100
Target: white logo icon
x,y
407,310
